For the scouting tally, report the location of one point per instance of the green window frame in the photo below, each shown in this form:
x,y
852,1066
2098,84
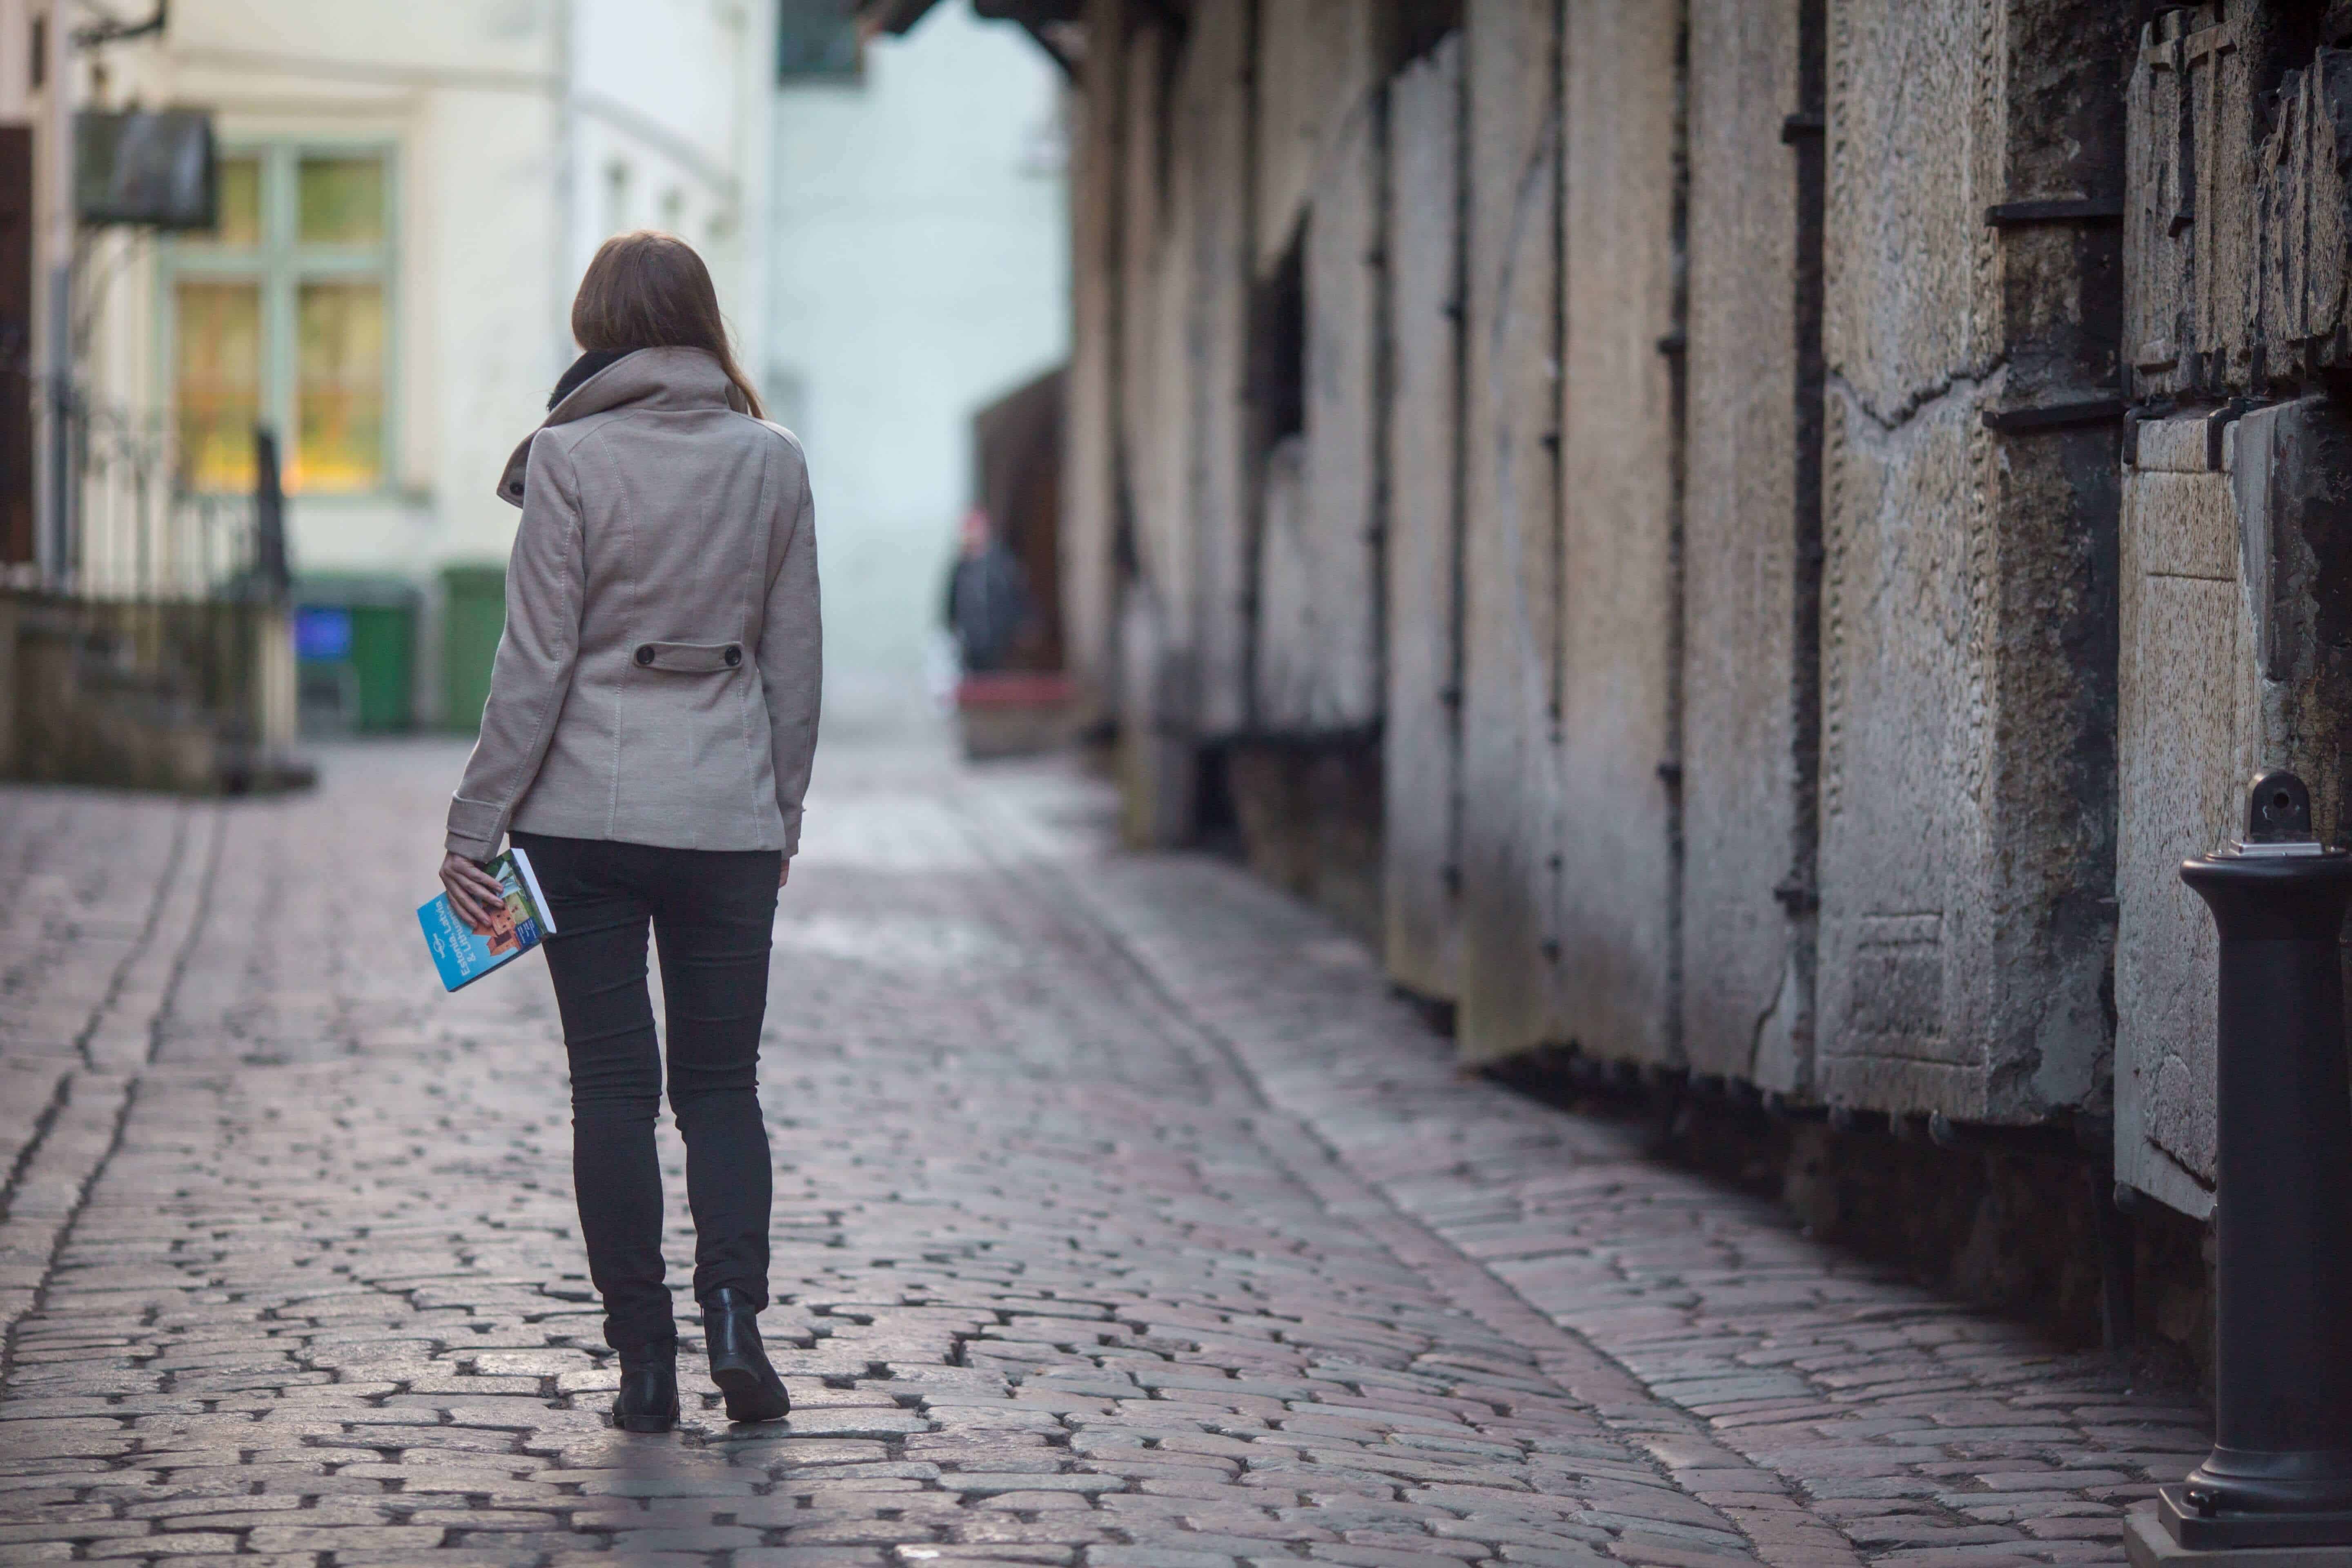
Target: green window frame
x,y
286,316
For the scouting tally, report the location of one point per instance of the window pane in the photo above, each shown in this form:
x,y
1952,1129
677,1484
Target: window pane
x,y
240,204
338,353
217,382
342,201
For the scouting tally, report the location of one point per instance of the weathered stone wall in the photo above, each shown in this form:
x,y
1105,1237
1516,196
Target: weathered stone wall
x,y
2237,545
2187,719
1620,524
192,697
1748,665
1090,479
1185,501
1913,353
1308,816
1314,59
2235,218
2238,531
1212,117
1510,556
1156,607
1318,649
1966,853
1421,752
1162,436
1683,440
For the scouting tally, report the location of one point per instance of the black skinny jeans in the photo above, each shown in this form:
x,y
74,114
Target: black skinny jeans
x,y
713,913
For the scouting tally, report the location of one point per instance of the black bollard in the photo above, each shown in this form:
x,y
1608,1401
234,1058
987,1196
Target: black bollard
x,y
2281,1470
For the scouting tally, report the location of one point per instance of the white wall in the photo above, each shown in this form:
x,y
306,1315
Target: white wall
x,y
918,266
505,117
467,95
893,251
668,128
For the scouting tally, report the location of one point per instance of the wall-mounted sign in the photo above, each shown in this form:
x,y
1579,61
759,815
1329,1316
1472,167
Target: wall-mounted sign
x,y
153,167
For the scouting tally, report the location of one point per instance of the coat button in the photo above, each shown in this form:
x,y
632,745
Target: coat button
x,y
645,654
734,655
515,489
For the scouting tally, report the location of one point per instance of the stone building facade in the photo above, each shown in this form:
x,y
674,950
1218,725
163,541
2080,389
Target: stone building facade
x,y
1742,539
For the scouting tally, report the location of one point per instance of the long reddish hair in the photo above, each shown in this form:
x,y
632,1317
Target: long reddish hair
x,y
650,290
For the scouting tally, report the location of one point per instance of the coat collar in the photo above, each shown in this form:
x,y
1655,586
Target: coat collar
x,y
658,379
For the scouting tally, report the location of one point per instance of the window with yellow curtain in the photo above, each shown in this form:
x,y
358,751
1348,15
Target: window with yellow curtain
x,y
219,382
337,387
281,319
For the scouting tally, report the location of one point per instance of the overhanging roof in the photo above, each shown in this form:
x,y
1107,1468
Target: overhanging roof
x,y
1049,22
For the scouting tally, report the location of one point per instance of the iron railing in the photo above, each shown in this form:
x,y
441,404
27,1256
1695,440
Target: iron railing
x,y
161,656
138,533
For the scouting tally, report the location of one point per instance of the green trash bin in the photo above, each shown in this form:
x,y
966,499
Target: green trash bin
x,y
473,617
355,653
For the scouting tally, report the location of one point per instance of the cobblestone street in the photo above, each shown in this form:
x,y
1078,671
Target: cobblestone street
x,y
1123,1221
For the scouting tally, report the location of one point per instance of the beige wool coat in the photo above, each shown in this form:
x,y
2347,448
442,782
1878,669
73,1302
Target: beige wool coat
x,y
660,676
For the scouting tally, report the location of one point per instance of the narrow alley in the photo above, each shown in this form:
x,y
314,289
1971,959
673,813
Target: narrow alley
x,y
1124,1220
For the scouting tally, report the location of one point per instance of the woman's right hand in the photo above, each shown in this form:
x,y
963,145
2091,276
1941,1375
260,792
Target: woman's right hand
x,y
473,893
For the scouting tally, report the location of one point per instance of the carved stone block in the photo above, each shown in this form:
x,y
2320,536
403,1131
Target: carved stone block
x,y
2235,208
1966,852
2237,613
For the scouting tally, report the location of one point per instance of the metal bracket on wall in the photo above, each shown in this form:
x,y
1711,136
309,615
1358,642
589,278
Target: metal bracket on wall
x,y
2055,415
2218,422
108,30
2136,416
2071,209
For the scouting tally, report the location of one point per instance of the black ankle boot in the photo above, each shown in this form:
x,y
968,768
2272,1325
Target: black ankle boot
x,y
737,1364
648,1398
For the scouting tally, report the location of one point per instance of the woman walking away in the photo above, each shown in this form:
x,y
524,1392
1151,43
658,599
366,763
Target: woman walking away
x,y
651,720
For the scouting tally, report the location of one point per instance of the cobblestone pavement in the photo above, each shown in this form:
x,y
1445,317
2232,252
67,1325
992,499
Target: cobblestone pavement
x,y
1123,1221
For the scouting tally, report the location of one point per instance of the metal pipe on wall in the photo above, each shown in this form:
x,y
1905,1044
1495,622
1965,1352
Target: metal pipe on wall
x,y
55,464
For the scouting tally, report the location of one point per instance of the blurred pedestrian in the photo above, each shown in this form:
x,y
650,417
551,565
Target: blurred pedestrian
x,y
651,723
988,596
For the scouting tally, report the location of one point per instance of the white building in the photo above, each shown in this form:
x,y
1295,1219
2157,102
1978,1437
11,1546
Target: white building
x,y
408,195
918,268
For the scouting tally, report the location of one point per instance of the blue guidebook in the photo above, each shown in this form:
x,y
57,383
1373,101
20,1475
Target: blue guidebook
x,y
463,954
